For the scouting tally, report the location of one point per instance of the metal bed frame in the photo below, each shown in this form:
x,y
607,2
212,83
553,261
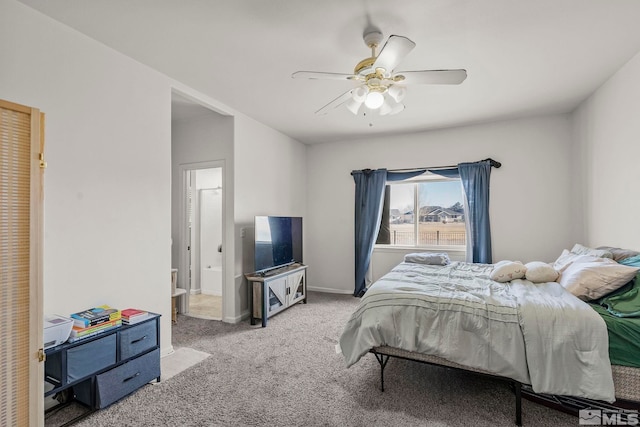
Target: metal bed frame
x,y
383,354
626,380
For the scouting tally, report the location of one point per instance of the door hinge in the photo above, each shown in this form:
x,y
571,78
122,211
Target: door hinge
x,y
41,356
43,164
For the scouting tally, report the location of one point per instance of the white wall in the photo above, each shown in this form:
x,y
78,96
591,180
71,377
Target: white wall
x,y
108,190
107,199
607,142
530,193
270,178
209,216
208,178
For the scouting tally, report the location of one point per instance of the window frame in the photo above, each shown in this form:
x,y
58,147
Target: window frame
x,y
431,178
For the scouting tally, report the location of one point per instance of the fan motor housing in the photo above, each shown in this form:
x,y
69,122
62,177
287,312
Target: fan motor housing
x,y
372,36
365,66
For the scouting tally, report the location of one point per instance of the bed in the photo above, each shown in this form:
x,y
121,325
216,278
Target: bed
x,y
455,315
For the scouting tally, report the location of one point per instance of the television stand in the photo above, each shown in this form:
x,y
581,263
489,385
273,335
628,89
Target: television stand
x,y
277,270
275,291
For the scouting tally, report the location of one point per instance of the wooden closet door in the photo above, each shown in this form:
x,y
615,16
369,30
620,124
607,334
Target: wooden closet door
x,y
21,311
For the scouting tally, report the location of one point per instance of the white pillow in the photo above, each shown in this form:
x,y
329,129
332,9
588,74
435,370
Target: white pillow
x,y
567,258
540,272
505,271
591,279
578,249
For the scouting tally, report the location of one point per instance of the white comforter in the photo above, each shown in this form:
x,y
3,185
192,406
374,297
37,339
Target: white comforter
x,y
537,334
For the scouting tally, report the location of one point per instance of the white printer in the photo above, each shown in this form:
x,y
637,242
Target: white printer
x,y
56,330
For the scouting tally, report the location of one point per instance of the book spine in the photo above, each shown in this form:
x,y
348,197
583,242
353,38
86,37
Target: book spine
x,y
86,319
75,339
83,322
85,331
114,314
131,312
135,320
137,316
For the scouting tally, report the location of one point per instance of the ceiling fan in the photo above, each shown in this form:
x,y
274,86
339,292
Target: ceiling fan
x,y
379,87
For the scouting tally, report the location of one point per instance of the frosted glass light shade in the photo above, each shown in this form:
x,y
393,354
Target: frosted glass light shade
x,y
374,100
386,106
353,106
396,109
397,92
359,94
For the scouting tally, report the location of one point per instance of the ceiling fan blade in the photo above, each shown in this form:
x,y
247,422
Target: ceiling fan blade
x,y
321,75
393,52
335,103
432,77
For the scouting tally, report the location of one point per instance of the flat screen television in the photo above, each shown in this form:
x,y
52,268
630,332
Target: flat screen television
x,y
278,242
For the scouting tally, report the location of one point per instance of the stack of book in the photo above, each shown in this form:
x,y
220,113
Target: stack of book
x,y
131,316
94,321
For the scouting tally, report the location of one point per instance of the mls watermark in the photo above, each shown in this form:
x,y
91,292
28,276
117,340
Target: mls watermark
x,y
608,417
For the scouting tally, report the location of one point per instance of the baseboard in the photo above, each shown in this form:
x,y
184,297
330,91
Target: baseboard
x,y
237,319
329,290
166,351
211,294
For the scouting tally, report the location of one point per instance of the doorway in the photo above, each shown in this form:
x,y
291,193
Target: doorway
x,y
201,138
203,231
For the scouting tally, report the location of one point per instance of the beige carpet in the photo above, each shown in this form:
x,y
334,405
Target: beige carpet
x,y
171,365
288,374
181,359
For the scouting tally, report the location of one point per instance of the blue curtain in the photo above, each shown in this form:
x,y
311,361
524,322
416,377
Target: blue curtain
x,y
368,210
447,173
368,213
401,176
475,181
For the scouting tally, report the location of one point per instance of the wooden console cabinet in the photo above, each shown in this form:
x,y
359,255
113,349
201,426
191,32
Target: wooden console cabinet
x,y
276,291
104,368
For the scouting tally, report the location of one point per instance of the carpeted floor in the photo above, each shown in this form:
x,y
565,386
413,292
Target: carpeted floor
x,y
288,374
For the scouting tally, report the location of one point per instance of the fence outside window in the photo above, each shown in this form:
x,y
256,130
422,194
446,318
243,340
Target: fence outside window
x,y
428,238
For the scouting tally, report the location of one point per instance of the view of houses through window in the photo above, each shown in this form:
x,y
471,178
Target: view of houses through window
x,y
424,213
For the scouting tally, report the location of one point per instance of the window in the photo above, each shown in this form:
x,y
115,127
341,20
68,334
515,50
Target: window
x,y
423,213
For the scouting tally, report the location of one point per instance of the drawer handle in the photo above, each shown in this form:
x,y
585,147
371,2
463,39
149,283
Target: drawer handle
x,y
131,377
139,339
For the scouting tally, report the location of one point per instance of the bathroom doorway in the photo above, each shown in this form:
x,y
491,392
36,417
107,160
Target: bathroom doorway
x,y
204,192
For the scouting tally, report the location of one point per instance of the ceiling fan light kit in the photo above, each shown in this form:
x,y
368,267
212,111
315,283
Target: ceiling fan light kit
x,y
353,106
374,100
360,93
397,92
380,88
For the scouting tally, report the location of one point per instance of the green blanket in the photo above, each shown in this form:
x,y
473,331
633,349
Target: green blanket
x,y
626,303
621,312
624,338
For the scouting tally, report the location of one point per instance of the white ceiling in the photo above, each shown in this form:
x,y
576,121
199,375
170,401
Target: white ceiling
x,y
523,57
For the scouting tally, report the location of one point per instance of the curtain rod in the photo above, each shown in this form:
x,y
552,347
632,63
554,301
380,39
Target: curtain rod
x,y
494,163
